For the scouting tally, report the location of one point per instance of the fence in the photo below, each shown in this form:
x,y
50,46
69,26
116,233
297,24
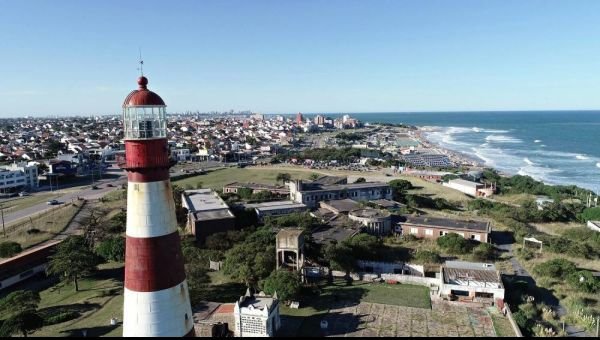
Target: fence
x,y
411,279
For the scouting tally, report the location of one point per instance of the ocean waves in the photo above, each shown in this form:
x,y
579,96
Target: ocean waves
x,y
508,151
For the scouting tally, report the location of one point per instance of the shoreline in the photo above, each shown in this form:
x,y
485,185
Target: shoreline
x,y
460,158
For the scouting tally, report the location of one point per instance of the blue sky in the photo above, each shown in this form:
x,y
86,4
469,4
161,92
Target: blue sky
x,y
70,57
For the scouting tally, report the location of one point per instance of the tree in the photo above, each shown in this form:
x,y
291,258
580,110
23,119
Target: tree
x,y
197,278
399,188
283,177
364,246
453,243
284,282
112,249
253,259
9,249
19,301
313,176
360,180
21,308
23,323
340,257
73,260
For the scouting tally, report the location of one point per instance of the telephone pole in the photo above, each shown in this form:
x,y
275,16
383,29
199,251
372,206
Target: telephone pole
x,y
2,211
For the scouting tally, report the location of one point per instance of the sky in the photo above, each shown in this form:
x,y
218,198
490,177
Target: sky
x,y
80,57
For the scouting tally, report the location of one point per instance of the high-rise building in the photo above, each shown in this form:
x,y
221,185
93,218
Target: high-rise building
x,y
299,118
156,292
320,120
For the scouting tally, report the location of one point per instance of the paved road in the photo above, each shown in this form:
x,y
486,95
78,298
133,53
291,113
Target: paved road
x,y
545,295
67,195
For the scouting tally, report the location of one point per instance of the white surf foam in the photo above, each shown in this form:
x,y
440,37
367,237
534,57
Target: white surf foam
x,y
582,157
502,139
598,164
526,160
537,141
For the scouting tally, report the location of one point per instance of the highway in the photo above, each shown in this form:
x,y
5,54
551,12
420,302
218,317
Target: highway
x,y
70,194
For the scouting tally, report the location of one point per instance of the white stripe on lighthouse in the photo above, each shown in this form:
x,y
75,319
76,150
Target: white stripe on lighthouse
x,y
150,209
162,313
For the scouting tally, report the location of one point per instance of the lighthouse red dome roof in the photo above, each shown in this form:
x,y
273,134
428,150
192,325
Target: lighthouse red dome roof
x,y
142,96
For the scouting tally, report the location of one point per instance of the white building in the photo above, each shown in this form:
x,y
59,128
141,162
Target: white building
x,y
594,225
470,281
18,175
470,188
256,315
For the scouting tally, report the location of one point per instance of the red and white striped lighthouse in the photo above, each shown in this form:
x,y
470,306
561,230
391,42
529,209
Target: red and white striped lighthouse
x,y
157,301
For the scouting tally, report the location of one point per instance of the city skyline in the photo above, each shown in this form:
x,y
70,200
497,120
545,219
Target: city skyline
x,y
314,56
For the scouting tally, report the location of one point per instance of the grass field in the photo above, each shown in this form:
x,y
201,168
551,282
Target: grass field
x,y
399,295
556,228
215,179
49,224
501,324
99,299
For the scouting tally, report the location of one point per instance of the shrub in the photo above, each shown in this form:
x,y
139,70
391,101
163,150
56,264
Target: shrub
x,y
9,249
590,214
483,252
557,268
520,319
409,238
33,231
61,317
454,243
584,281
427,257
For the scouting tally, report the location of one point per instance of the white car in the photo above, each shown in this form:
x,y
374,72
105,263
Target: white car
x,y
24,193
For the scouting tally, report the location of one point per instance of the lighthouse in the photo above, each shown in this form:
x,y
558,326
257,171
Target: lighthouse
x,y
156,301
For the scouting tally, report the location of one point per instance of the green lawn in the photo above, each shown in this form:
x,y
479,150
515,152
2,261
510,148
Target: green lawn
x,y
399,295
382,293
215,179
99,299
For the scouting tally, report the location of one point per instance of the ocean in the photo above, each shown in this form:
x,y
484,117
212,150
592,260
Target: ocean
x,y
556,147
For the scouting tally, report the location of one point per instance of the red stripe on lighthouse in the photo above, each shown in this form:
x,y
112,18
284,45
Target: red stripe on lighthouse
x,y
148,175
153,264
147,154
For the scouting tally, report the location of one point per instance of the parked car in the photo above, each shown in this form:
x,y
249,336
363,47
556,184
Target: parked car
x,y
94,187
52,202
110,185
24,193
